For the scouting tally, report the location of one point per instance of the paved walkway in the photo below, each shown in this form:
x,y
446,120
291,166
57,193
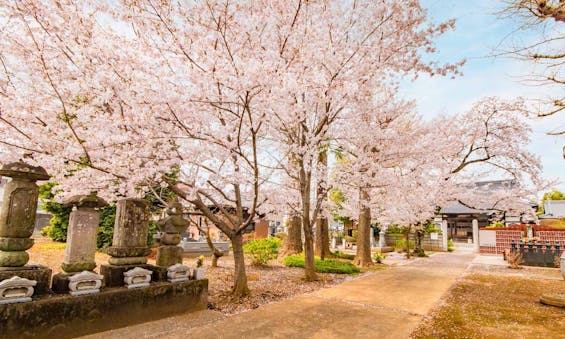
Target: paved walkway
x,y
388,303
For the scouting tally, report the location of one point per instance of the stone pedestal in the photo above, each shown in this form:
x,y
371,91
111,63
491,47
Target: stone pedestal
x,y
169,253
16,290
178,273
18,211
114,275
137,278
39,274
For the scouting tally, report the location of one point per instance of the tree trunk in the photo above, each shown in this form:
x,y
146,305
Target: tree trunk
x,y
216,253
408,241
240,288
363,255
309,263
293,241
322,246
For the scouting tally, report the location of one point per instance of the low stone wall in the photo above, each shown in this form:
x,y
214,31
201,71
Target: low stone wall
x,y
66,316
196,248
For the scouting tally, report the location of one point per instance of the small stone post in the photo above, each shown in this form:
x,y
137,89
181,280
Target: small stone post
x,y
444,234
81,245
476,245
169,253
382,239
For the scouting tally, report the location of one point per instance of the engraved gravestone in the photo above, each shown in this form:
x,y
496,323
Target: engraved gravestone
x,y
81,238
81,246
129,244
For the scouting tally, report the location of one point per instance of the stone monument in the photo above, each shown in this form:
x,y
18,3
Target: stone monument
x,y
169,253
81,245
129,244
17,220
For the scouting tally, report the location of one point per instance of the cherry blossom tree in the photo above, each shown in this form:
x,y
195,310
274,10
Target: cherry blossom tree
x,y
110,97
545,20
331,52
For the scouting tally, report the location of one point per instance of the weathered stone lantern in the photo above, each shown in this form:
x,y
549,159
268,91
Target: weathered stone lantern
x,y
17,222
169,253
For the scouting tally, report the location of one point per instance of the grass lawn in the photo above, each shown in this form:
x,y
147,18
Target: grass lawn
x,y
323,266
490,306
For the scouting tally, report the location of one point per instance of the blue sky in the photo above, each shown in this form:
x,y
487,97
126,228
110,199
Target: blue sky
x,y
479,33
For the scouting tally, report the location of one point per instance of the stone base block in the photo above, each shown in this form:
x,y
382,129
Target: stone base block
x,y
78,266
60,283
124,252
114,275
38,273
118,261
66,316
169,256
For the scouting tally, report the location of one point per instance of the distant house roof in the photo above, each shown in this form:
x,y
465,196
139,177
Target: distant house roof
x,y
458,208
554,209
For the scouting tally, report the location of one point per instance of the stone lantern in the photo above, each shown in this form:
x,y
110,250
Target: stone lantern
x,y
17,222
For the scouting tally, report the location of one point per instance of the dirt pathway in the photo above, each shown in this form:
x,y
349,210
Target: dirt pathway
x,y
388,303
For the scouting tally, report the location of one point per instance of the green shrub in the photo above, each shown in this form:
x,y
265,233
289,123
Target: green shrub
x,y
263,250
379,257
45,231
401,244
323,266
497,224
395,229
450,246
342,255
281,235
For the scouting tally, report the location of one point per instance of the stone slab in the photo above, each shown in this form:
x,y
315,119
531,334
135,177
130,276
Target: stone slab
x,y
114,275
38,273
66,316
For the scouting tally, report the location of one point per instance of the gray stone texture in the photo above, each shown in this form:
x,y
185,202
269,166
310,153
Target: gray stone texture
x,y
129,245
81,240
66,316
17,213
132,223
169,253
41,274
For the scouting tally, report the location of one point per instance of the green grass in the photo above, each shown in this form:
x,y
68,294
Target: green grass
x,y
323,266
51,246
342,255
